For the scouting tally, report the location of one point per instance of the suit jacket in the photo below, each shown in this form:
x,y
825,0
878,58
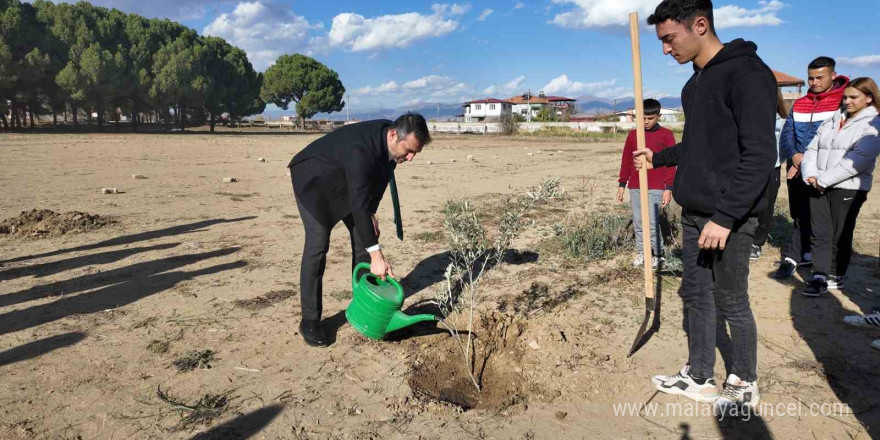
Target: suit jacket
x,y
345,172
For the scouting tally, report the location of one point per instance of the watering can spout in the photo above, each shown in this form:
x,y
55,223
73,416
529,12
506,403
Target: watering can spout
x,y
400,320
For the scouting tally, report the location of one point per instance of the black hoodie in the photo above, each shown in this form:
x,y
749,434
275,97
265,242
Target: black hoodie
x,y
728,149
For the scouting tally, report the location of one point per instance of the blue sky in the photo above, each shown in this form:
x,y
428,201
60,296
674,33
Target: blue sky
x,y
395,53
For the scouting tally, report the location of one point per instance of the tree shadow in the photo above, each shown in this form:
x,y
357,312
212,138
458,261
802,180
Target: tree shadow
x,y
431,270
54,267
134,238
106,278
127,286
242,427
39,347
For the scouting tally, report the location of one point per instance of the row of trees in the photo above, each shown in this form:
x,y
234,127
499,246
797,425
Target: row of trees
x,y
56,58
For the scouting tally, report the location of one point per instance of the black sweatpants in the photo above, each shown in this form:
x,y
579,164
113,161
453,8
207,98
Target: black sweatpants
x,y
799,208
765,220
833,215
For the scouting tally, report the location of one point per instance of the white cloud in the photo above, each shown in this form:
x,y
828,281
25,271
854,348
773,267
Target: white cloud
x,y
862,61
734,16
358,33
485,14
460,9
454,9
172,9
563,85
519,5
263,30
390,86
428,89
603,13
510,87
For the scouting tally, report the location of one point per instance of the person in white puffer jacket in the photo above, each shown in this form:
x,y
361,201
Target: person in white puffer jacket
x,y
839,165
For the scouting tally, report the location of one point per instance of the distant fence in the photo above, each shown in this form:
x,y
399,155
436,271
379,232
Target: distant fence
x,y
529,127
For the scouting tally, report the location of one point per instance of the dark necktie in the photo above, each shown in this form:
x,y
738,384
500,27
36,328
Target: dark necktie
x,y
395,201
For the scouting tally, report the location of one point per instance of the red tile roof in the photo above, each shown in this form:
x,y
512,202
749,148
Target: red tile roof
x,y
786,80
488,101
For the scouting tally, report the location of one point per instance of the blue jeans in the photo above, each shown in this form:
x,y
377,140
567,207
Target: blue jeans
x,y
655,197
715,293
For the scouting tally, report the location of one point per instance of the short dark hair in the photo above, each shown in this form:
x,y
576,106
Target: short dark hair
x,y
652,106
684,12
821,62
412,123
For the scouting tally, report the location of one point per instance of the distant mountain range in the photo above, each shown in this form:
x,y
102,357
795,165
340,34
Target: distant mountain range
x,y
588,105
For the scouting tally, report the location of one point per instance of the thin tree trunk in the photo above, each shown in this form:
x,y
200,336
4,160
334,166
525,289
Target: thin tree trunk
x,y
5,123
100,119
212,122
74,111
182,117
54,117
32,118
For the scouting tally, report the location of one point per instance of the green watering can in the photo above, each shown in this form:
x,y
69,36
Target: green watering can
x,y
374,310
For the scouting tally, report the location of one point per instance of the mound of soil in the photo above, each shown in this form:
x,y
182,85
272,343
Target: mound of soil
x,y
47,223
439,372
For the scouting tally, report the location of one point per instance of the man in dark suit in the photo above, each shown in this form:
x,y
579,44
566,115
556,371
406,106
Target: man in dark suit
x,y
343,176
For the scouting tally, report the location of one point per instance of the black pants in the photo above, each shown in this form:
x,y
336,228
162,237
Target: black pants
x,y
715,293
834,215
799,208
765,220
314,259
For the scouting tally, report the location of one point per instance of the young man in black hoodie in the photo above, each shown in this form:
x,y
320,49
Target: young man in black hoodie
x,y
724,161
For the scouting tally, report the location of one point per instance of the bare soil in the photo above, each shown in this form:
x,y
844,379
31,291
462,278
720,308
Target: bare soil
x,y
92,319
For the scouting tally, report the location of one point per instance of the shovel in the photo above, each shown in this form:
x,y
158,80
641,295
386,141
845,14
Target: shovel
x,y
650,304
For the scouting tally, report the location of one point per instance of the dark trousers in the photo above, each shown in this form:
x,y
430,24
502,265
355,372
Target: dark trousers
x,y
314,259
834,215
714,290
799,208
765,220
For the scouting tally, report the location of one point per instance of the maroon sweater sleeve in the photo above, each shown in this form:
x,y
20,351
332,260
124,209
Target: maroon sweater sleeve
x,y
626,161
670,171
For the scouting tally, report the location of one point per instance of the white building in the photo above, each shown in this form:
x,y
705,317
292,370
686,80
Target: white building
x,y
522,103
666,115
486,110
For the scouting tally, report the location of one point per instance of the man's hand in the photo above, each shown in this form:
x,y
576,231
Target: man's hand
x,y
649,156
620,194
796,159
667,197
379,266
793,172
375,225
713,236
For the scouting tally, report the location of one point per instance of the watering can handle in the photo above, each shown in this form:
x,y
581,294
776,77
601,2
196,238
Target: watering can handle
x,y
362,266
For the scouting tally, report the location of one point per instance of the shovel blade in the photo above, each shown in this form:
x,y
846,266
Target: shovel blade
x,y
638,342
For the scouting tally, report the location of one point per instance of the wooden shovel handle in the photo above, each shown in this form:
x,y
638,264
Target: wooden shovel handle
x,y
640,141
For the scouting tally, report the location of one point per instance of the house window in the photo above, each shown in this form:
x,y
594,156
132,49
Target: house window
x,y
478,106
491,106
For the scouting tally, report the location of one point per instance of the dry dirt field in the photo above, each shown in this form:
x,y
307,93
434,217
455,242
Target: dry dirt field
x,y
95,326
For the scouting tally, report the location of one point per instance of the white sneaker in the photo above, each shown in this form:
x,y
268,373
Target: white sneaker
x,y
655,261
683,384
835,282
639,261
736,395
871,321
876,344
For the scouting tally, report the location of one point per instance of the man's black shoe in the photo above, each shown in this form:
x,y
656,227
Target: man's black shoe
x,y
313,333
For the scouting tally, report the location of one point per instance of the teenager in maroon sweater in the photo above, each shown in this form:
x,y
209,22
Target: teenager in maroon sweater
x,y
659,181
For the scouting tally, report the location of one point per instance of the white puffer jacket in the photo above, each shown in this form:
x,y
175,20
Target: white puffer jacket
x,y
844,157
